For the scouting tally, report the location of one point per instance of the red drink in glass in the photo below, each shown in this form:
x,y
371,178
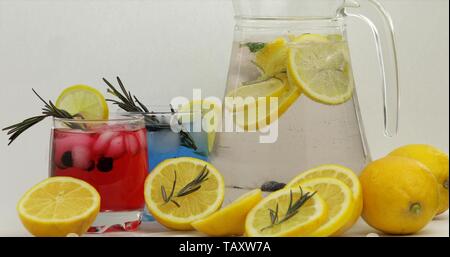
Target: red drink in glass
x,y
112,157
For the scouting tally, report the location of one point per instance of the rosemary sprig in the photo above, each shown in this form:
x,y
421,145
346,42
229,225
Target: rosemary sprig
x,y
130,103
189,188
255,47
164,194
293,209
195,184
186,139
49,110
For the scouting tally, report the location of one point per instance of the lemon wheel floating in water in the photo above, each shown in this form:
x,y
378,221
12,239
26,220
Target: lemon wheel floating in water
x,y
272,112
182,190
320,66
255,91
272,58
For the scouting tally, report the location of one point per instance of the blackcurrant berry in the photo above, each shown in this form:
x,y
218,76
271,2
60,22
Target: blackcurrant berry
x,y
105,164
66,159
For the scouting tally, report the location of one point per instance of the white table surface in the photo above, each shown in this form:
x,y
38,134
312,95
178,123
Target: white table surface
x,y
439,227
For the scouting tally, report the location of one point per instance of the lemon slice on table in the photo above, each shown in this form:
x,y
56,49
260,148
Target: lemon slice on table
x,y
321,68
230,221
339,199
271,216
59,206
272,58
182,190
272,113
211,112
343,174
85,101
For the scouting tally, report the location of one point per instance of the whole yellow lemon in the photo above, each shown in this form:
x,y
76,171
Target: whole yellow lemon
x,y
436,161
400,195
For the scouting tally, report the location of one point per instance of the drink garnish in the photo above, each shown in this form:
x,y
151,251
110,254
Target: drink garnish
x,y
189,188
292,209
49,110
130,103
255,46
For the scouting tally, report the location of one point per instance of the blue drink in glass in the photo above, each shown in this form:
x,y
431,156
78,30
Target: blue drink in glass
x,y
165,143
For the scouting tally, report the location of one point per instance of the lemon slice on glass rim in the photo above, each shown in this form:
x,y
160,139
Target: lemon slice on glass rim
x,y
85,101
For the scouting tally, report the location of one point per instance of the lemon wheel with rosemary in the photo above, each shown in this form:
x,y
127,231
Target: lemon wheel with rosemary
x,y
339,199
343,174
287,212
182,190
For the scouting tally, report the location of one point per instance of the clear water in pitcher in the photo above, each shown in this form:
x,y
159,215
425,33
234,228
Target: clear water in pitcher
x,y
321,126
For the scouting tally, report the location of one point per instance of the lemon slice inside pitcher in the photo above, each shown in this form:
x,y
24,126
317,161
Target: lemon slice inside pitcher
x,y
272,58
255,91
320,66
272,112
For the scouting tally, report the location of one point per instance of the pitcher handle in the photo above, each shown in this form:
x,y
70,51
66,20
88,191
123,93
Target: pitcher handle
x,y
384,35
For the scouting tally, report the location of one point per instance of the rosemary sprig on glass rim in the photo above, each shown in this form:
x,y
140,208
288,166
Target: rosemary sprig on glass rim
x,y
130,103
293,209
49,110
189,188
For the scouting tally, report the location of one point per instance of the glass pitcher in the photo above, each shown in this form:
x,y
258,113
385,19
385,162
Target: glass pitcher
x,y
297,51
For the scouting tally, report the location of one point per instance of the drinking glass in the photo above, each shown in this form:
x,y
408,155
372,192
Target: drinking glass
x,y
110,155
168,137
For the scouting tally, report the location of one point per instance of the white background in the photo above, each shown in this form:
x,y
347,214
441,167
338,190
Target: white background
x,y
164,48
